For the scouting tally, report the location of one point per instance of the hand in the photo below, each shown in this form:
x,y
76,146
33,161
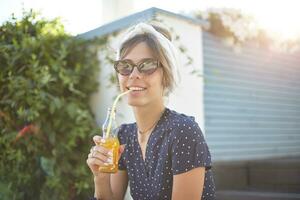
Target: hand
x,y
99,155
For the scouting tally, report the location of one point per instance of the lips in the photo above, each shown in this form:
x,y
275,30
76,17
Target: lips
x,y
136,88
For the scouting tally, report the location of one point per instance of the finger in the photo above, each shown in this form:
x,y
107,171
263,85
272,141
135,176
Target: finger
x,y
97,139
92,149
94,161
121,149
100,156
101,149
90,155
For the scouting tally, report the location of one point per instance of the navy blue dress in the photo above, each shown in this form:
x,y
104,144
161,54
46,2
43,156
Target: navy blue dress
x,y
176,145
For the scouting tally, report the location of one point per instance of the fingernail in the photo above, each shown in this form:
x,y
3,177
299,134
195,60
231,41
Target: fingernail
x,y
110,153
96,137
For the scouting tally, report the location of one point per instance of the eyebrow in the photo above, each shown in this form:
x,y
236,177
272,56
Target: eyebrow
x,y
139,60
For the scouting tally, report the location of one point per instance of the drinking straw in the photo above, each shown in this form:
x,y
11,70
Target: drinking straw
x,y
113,110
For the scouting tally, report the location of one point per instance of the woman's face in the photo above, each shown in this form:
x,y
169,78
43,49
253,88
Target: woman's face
x,y
150,86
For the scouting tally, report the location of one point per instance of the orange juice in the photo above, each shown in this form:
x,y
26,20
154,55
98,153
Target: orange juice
x,y
110,138
111,143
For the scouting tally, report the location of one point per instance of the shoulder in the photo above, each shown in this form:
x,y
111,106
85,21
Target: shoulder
x,y
187,144
182,125
124,131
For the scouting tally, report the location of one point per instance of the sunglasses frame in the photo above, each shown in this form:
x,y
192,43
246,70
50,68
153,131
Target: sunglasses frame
x,y
138,65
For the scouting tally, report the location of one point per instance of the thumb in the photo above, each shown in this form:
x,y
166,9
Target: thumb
x,y
97,139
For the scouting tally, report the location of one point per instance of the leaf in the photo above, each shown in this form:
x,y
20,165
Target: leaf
x,y
47,166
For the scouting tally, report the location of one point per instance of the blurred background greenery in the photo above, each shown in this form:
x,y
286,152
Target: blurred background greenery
x,y
46,79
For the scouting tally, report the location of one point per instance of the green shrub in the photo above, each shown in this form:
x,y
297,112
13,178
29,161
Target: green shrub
x,y
46,79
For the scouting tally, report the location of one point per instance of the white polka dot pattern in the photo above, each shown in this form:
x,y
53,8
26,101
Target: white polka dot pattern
x,y
175,146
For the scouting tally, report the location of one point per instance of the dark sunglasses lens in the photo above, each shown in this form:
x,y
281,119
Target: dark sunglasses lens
x,y
148,67
123,68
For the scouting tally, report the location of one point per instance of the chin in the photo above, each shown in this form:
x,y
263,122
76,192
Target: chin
x,y
136,103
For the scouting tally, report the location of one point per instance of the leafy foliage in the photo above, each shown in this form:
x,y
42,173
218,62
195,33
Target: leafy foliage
x,y
46,79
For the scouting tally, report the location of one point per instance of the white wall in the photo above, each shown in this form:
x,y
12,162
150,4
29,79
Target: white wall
x,y
187,97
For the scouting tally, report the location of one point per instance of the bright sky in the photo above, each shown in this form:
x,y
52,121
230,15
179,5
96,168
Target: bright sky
x,y
280,17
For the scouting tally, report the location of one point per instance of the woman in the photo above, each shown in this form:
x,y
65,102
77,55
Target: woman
x,y
165,154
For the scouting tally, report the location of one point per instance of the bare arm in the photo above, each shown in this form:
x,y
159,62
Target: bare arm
x,y
111,186
119,182
188,185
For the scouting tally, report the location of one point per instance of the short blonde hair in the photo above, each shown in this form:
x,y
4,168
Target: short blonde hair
x,y
157,50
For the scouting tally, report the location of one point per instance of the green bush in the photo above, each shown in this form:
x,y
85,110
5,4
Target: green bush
x,y
46,79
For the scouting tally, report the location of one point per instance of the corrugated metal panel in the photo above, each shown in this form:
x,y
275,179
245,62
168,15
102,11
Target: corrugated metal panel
x,y
251,101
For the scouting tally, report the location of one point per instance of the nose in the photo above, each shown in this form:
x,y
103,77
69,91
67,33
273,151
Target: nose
x,y
135,73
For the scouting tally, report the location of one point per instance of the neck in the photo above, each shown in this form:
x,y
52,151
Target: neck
x,y
147,116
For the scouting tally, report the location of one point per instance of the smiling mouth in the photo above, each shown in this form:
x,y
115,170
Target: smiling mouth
x,y
136,88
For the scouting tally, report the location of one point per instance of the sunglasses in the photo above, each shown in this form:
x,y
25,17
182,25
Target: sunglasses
x,y
146,66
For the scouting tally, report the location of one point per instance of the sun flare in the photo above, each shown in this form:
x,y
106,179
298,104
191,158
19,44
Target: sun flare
x,y
280,23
